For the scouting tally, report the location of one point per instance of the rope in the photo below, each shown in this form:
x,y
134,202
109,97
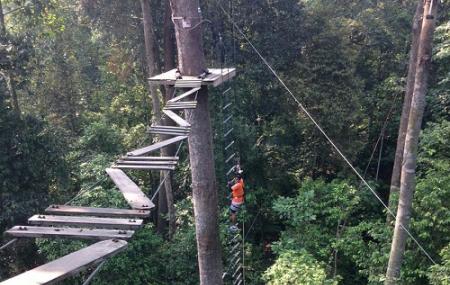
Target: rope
x,y
382,131
8,244
336,148
92,275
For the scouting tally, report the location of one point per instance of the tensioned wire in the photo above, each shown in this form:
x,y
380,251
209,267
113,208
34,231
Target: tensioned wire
x,y
317,125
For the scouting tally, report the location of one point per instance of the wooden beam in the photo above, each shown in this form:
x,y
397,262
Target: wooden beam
x,y
73,233
168,132
69,265
156,146
131,192
156,163
140,166
89,222
179,107
184,95
151,158
177,119
98,212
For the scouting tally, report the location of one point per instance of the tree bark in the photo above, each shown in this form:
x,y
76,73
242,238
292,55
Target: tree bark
x,y
408,174
396,171
188,31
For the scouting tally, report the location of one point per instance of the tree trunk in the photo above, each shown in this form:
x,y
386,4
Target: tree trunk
x,y
152,69
188,31
395,178
169,63
408,175
10,84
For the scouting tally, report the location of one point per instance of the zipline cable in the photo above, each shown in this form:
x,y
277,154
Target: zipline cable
x,y
303,108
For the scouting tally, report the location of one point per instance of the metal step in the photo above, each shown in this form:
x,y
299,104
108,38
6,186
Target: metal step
x,y
74,233
69,265
89,222
96,212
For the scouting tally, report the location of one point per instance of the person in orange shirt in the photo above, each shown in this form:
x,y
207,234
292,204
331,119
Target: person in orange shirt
x,y
237,195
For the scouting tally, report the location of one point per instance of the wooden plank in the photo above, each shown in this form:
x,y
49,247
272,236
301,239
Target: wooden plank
x,y
69,265
156,146
180,107
177,119
215,78
167,132
157,163
73,233
188,83
182,103
131,192
138,166
170,127
97,212
152,158
89,222
184,95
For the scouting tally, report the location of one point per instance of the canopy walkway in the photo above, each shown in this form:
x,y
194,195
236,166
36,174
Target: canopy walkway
x,y
111,227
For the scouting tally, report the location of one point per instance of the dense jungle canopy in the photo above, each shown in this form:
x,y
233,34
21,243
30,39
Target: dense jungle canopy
x,y
74,97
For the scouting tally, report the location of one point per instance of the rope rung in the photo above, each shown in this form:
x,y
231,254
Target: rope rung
x,y
229,145
230,157
228,132
227,119
231,170
227,106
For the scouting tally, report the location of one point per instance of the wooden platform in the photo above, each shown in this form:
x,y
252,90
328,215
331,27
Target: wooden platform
x,y
156,146
96,212
74,233
217,77
89,222
69,265
131,192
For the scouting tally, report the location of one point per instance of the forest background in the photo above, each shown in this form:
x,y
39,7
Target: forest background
x,y
81,99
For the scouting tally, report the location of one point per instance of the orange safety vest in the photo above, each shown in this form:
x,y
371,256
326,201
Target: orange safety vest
x,y
238,191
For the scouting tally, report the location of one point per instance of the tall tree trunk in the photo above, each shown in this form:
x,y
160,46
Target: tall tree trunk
x,y
10,84
169,63
188,31
408,174
396,171
152,69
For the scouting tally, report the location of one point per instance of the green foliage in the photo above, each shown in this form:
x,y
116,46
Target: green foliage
x,y
297,267
440,274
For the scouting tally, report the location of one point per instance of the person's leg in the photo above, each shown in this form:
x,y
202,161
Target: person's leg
x,y
233,218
